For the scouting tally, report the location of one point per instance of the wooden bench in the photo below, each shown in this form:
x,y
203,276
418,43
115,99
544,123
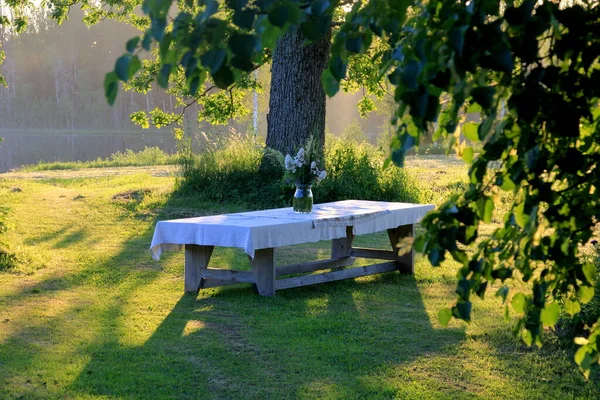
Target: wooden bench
x,y
261,232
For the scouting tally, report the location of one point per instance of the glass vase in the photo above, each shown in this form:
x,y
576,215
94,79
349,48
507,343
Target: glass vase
x,y
303,198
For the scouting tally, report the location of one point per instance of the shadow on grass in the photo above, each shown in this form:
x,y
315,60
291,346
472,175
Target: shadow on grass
x,y
322,340
338,339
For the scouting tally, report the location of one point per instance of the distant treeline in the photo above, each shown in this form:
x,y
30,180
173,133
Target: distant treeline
x,y
55,77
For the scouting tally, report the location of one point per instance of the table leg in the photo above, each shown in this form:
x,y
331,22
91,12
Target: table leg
x,y
341,247
405,263
196,260
263,268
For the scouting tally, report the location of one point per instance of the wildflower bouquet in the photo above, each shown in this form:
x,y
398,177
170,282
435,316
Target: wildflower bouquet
x,y
304,167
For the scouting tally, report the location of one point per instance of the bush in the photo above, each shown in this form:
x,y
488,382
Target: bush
x,y
236,173
7,259
571,327
355,171
231,173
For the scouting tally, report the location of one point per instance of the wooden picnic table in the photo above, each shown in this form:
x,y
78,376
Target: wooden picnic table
x,y
259,233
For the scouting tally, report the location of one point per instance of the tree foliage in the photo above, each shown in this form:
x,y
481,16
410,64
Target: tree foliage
x,y
537,60
541,60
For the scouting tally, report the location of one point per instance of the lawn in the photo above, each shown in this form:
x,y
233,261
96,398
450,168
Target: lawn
x,y
91,315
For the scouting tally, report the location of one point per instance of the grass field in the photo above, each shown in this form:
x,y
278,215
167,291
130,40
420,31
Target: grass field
x,y
90,315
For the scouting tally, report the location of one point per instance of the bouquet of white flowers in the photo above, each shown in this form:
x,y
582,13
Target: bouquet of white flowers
x,y
304,167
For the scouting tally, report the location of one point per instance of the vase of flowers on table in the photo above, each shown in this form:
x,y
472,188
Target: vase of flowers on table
x,y
304,169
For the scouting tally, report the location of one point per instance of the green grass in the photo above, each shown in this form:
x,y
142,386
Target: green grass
x,y
96,317
128,158
104,132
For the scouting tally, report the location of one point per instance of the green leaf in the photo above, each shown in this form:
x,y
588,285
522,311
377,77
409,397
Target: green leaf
x,y
507,184
519,303
319,7
580,355
244,18
504,60
194,85
467,154
394,77
157,28
163,76
456,38
463,310
485,206
132,44
330,84
283,13
581,341
122,67
223,77
386,163
213,59
521,218
134,66
503,293
584,360
270,36
470,131
111,87
147,41
444,316
586,293
355,44
410,74
243,45
420,242
527,337
572,307
550,314
245,64
337,67
163,48
484,96
589,270
436,255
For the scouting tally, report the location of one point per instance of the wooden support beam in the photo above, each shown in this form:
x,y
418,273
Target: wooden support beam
x,y
335,275
196,260
209,283
313,266
263,268
406,263
228,275
372,253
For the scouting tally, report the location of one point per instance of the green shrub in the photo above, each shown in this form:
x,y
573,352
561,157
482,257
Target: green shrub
x,y
355,171
236,173
231,174
7,258
571,327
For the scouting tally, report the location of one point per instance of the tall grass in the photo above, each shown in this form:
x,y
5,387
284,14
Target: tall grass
x,y
128,158
7,259
235,172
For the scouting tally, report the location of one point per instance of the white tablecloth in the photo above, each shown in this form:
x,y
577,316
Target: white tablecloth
x,y
282,227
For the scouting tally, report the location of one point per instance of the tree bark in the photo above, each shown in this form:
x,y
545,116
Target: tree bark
x,y
297,99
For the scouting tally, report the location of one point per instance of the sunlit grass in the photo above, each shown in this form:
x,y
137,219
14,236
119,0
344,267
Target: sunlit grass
x,y
128,158
98,318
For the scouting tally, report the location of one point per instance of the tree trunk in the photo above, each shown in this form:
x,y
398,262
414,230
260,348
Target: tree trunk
x,y
297,98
